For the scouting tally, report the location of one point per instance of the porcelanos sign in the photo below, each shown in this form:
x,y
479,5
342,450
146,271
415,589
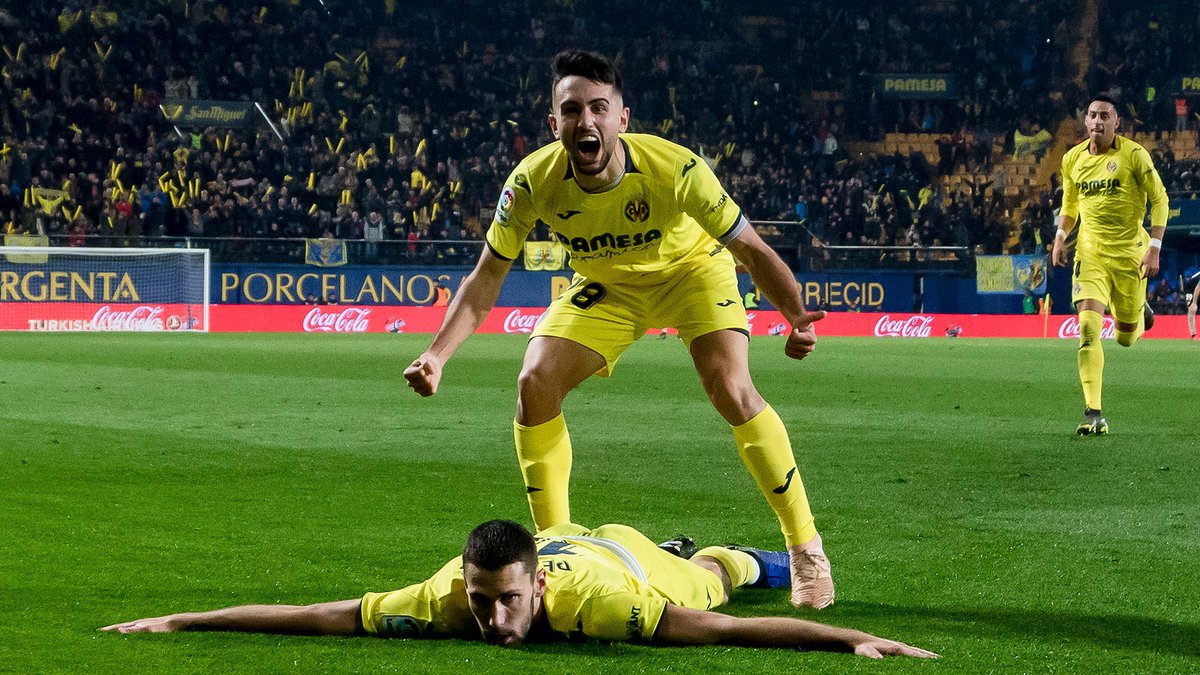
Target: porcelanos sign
x,y
290,285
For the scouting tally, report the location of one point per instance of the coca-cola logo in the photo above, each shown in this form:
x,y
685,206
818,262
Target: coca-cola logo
x,y
520,322
142,317
917,325
349,320
1069,328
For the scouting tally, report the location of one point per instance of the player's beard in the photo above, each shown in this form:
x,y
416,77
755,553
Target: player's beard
x,y
514,637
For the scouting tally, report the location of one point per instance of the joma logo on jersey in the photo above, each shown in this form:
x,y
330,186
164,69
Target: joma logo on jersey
x,y
1095,187
608,240
637,210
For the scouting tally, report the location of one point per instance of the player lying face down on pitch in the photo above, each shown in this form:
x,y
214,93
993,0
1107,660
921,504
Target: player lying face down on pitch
x,y
509,587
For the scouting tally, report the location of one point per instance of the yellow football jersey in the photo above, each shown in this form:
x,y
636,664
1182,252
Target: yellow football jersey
x,y
668,209
1109,192
594,588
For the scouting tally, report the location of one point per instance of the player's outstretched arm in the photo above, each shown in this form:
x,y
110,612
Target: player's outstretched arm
x,y
469,307
326,618
683,626
773,277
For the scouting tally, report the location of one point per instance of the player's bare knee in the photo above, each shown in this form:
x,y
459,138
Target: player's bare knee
x,y
737,404
532,383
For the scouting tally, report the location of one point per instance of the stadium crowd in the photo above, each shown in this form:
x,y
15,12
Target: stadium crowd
x,y
399,121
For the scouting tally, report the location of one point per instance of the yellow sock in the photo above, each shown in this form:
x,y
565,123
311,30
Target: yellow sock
x,y
739,565
765,449
544,452
1090,357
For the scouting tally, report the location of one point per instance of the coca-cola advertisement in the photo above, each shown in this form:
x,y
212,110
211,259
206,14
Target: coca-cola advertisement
x,y
106,317
1069,328
519,321
348,320
522,321
917,325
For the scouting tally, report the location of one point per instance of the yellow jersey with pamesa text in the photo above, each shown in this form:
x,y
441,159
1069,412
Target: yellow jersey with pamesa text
x,y
1108,193
668,209
594,588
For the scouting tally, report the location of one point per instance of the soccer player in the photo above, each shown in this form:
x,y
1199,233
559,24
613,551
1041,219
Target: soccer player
x,y
650,232
1192,297
1107,181
507,587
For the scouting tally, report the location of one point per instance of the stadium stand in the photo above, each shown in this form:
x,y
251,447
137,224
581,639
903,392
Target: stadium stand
x,y
399,120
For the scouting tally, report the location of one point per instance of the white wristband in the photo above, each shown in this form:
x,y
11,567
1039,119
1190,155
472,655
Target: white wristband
x,y
1155,243
1060,233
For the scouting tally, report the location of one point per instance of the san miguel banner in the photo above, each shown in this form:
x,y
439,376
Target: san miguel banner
x,y
916,85
1013,274
196,113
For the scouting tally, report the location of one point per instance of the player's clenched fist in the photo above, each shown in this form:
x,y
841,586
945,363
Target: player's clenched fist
x,y
424,374
803,338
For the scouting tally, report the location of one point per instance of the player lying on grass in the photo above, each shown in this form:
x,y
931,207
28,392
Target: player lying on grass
x,y
508,587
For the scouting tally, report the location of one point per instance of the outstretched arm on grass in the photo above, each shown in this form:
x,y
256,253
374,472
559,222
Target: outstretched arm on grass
x,y
683,626
326,618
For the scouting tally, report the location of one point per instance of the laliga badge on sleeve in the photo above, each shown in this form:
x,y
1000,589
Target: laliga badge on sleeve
x,y
504,206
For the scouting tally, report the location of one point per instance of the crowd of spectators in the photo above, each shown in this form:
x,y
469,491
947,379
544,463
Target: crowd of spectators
x,y
400,120
1144,49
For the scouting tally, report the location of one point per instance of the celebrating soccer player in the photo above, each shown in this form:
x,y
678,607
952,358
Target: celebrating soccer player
x,y
650,232
1107,180
508,588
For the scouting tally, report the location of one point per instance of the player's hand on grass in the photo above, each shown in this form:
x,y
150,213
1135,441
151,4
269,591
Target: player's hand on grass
x,y
877,648
158,624
803,338
424,374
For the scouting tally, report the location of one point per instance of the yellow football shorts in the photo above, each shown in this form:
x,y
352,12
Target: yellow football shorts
x,y
678,581
1116,282
607,318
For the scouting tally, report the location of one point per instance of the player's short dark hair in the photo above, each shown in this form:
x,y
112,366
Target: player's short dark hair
x,y
499,543
1106,98
588,65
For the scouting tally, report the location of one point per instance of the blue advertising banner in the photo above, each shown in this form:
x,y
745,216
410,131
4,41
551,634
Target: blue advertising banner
x,y
34,278
1184,216
355,285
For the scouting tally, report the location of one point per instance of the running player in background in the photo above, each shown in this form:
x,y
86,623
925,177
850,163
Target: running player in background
x,y
1192,299
508,587
1107,181
650,231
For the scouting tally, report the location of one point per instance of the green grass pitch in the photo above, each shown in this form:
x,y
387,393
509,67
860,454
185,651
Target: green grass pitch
x,y
148,474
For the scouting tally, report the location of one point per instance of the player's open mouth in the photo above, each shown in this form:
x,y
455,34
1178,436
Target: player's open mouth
x,y
589,147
